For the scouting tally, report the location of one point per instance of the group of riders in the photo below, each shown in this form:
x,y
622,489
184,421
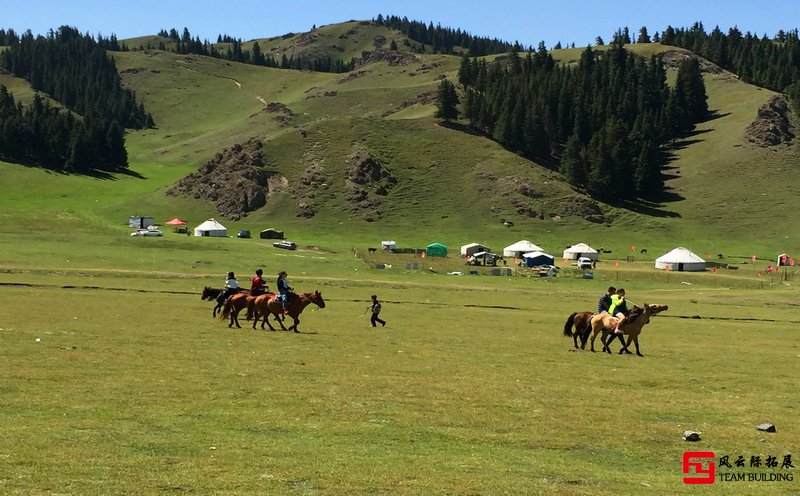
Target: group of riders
x,y
258,286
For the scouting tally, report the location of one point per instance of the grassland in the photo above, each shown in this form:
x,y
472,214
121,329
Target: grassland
x,y
471,388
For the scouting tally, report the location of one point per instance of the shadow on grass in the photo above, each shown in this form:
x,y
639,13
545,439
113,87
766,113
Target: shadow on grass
x,y
108,175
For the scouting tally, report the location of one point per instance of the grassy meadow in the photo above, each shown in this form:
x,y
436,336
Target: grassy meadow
x,y
115,379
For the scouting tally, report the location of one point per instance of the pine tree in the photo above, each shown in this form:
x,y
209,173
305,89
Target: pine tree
x,y
446,101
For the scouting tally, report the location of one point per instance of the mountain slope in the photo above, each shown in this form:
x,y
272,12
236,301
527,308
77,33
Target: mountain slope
x,y
450,183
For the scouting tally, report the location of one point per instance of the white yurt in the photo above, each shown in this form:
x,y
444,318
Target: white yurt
x,y
520,248
575,252
211,228
473,248
681,260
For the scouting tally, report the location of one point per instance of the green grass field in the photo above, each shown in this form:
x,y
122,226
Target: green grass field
x,y
132,387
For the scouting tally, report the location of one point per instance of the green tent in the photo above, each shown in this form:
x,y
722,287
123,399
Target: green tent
x,y
436,250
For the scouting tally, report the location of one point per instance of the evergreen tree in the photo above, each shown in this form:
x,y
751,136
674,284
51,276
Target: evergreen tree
x,y
446,101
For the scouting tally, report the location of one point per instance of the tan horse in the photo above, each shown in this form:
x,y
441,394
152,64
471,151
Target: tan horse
x,y
581,321
632,326
297,303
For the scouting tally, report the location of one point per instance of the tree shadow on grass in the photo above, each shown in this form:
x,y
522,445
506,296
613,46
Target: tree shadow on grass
x,y
108,175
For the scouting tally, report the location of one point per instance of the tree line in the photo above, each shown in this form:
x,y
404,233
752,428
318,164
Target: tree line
x,y
602,123
235,52
445,40
75,70
54,138
89,132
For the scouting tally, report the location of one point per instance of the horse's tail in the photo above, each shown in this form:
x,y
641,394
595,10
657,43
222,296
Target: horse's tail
x,y
568,324
226,310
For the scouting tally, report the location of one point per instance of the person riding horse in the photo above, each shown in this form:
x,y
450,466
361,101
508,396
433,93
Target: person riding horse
x,y
284,290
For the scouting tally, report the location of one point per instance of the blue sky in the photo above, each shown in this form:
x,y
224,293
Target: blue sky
x,y
528,22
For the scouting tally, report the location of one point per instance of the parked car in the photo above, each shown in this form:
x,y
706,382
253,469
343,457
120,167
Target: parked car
x,y
147,232
244,233
584,263
286,245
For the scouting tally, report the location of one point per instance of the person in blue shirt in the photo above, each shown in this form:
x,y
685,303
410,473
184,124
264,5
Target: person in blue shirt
x,y
605,301
284,290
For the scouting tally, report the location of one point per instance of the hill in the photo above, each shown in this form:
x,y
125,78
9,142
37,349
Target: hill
x,y
450,184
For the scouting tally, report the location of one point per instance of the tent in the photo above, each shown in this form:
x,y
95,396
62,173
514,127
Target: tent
x,y
175,222
389,245
538,258
575,252
519,248
485,258
436,250
211,228
271,234
473,248
680,259
784,259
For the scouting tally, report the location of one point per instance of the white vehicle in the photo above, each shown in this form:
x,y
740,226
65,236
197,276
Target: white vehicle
x,y
584,263
147,232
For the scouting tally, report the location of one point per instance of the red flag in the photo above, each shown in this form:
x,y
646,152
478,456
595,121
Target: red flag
x,y
754,258
713,269
633,248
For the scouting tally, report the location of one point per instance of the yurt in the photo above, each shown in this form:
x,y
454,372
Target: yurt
x,y
436,250
520,248
681,260
537,259
472,249
211,228
575,252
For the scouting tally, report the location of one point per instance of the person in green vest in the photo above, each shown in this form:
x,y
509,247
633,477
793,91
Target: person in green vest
x,y
618,308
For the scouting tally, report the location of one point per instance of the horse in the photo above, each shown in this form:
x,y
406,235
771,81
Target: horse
x,y
581,321
632,326
211,294
295,306
233,305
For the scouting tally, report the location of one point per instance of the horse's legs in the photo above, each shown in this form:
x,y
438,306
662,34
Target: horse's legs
x,y
294,326
585,335
606,340
280,318
595,331
266,320
625,345
636,342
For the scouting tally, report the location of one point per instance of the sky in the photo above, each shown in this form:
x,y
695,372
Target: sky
x,y
528,22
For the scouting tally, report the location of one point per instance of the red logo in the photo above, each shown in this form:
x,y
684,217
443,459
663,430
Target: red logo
x,y
702,475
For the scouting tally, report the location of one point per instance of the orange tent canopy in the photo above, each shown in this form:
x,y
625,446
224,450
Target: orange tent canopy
x,y
175,222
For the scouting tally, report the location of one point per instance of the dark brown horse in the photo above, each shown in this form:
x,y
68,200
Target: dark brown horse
x,y
581,321
297,303
632,326
212,294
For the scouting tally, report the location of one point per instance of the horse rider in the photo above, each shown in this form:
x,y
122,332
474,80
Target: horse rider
x,y
284,290
231,286
619,309
605,301
258,285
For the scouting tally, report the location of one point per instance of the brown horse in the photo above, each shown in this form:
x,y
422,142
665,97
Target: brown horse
x,y
297,303
212,294
632,326
582,323
233,305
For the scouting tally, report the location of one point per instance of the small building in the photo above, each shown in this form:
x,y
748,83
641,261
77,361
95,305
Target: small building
x,y
211,228
537,259
140,222
473,248
575,252
436,250
680,259
389,245
271,234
